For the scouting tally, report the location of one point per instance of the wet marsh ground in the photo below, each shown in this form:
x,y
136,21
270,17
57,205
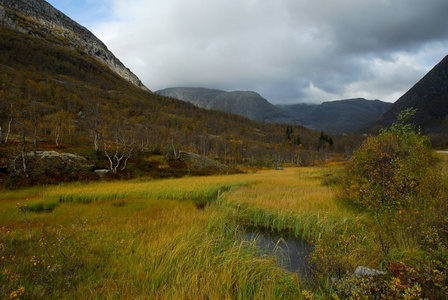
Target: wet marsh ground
x,y
177,238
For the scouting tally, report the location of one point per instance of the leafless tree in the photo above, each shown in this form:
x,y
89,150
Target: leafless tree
x,y
121,147
94,120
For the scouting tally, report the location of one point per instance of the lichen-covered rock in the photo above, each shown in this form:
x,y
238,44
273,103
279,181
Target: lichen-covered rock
x,y
42,162
364,271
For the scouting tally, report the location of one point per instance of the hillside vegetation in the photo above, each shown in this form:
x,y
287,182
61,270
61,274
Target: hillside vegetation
x,y
55,98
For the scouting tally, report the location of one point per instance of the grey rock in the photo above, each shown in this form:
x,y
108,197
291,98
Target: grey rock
x,y
39,162
2,13
53,154
364,271
102,172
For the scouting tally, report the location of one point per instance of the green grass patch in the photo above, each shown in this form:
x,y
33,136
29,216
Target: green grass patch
x,y
39,207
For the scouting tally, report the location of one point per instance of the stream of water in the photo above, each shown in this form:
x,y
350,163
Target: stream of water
x,y
293,253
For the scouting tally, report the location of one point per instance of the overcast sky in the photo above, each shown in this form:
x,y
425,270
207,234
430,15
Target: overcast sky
x,y
289,51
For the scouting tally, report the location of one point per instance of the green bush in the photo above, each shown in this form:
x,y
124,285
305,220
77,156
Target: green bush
x,y
396,176
392,171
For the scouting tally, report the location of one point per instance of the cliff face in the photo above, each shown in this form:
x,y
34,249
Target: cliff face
x,y
37,16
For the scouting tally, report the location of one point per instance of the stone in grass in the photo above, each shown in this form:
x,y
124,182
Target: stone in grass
x,y
363,271
102,172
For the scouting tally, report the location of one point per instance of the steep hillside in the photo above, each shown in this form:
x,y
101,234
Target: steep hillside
x,y
55,96
429,96
39,18
340,116
244,103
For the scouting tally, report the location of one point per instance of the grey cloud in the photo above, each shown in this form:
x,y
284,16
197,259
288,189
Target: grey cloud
x,y
286,50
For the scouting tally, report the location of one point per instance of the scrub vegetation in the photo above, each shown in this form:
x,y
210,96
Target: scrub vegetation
x,y
152,240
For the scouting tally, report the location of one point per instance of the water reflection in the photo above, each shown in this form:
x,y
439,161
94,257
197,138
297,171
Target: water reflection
x,y
293,253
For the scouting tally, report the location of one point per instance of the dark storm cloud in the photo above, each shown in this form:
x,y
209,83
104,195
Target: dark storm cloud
x,y
288,51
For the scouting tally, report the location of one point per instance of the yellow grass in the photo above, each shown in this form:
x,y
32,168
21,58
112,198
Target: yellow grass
x,y
297,190
295,200
148,239
183,188
144,239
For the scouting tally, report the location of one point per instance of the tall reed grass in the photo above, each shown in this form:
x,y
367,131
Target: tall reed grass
x,y
156,244
296,201
196,189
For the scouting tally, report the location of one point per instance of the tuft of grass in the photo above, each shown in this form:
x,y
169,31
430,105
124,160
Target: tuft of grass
x,y
119,203
330,180
39,206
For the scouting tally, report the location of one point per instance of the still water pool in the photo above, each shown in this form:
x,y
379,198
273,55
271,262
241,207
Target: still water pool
x,y
293,254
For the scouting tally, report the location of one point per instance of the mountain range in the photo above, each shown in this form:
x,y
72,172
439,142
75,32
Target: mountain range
x,y
342,116
339,116
245,103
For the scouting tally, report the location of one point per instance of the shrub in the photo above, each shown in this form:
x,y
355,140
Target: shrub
x,y
393,170
396,177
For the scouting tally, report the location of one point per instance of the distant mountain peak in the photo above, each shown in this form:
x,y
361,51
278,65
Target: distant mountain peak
x,y
245,103
338,116
429,96
39,14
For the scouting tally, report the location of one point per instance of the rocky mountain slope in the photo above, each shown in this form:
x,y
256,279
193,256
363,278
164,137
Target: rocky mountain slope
x,y
429,96
340,116
54,95
245,103
38,18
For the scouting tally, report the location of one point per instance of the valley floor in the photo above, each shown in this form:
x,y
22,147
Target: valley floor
x,y
177,238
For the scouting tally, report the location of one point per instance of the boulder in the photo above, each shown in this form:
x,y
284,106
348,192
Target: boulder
x,y
55,162
364,271
102,172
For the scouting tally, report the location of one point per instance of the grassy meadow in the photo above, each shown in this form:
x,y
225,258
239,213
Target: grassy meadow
x,y
177,238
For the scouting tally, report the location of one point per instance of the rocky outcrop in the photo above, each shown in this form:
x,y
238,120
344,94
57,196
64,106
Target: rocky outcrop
x,y
54,162
243,103
28,15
